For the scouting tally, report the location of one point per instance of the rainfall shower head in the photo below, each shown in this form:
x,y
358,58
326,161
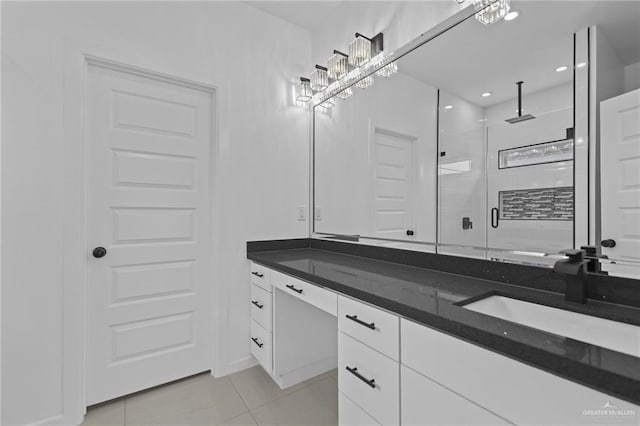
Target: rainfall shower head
x,y
520,118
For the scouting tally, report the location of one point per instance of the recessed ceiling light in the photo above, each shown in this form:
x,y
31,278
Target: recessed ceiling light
x,y
562,68
511,15
486,94
448,107
581,65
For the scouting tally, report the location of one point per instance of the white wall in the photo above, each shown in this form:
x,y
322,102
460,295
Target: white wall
x,y
262,170
400,22
344,160
632,77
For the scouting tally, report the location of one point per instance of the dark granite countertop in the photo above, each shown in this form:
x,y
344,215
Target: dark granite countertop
x,y
431,297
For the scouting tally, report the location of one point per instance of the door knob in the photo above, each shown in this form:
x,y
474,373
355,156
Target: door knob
x,y
608,243
99,252
409,232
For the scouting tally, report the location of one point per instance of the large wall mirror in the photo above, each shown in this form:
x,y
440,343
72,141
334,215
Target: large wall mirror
x,y
486,142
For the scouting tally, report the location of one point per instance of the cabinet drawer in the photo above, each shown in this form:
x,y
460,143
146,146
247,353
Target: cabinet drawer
x,y
488,379
310,293
370,325
261,346
260,276
261,306
349,414
425,402
369,379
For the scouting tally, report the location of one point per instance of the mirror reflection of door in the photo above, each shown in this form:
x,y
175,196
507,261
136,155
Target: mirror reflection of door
x,y
393,184
620,165
530,173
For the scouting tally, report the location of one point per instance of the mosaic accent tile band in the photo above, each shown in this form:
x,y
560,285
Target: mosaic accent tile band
x,y
537,204
543,153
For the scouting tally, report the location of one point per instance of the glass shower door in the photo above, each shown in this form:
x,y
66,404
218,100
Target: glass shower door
x,y
530,180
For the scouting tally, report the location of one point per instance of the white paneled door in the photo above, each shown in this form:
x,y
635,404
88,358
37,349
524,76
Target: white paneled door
x,y
148,231
393,185
620,182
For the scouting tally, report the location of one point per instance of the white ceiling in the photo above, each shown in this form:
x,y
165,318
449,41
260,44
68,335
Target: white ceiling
x,y
304,13
472,59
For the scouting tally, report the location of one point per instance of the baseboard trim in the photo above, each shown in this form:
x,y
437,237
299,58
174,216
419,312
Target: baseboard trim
x,y
235,366
53,420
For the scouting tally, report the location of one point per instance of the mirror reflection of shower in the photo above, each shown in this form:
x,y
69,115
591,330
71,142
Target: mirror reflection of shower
x,y
448,153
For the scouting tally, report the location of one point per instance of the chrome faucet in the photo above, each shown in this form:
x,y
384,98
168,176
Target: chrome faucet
x,y
574,267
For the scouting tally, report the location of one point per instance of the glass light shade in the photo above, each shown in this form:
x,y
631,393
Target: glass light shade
x,y
327,104
303,90
492,13
319,79
359,51
337,65
345,93
365,82
388,70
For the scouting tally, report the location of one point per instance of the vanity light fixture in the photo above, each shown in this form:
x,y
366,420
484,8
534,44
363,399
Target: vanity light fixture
x,y
492,13
487,94
362,49
338,65
346,93
388,70
303,90
328,104
359,50
511,15
365,82
365,57
562,68
319,79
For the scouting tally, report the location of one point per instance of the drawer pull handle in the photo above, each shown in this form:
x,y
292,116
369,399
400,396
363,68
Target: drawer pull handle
x,y
257,343
258,274
255,302
371,325
354,371
297,290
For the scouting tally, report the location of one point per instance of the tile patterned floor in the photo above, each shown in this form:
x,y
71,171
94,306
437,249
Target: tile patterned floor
x,y
248,397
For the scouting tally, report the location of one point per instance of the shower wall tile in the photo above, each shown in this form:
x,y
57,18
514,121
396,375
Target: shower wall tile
x,y
537,204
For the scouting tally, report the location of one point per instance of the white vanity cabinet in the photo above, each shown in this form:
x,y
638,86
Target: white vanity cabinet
x,y
293,326
261,315
261,346
368,364
477,386
319,297
350,414
261,276
261,306
394,371
426,403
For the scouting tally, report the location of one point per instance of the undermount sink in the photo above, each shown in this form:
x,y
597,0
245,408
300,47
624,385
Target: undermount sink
x,y
609,334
